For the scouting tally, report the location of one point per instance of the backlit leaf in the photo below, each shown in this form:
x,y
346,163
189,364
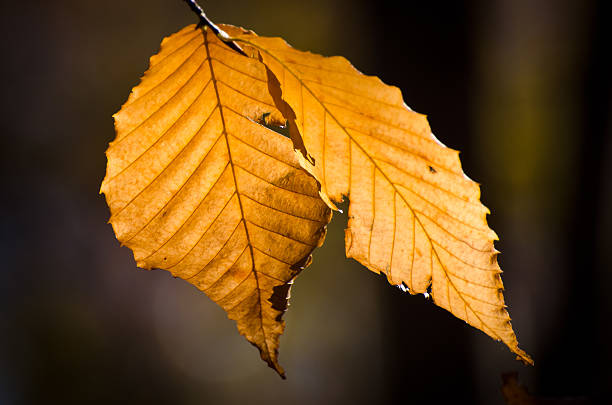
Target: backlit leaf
x,y
198,187
414,215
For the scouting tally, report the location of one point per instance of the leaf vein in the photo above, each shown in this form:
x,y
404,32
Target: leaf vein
x,y
171,73
118,141
274,185
280,234
279,210
244,94
214,283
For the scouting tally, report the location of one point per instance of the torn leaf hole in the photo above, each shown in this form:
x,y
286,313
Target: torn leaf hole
x,y
279,129
280,298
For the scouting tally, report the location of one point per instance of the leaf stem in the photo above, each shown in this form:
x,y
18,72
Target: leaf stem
x,y
204,21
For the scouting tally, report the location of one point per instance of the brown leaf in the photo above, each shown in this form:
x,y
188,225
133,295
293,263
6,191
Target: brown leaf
x,y
414,215
197,187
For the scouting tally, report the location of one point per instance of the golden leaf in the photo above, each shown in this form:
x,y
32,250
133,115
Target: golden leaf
x,y
197,187
414,215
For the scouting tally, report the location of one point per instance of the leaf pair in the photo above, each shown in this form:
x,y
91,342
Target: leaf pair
x,y
198,186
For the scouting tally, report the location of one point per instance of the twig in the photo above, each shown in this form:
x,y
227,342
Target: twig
x,y
204,21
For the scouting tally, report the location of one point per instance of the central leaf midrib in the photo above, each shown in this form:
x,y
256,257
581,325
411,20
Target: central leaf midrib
x,y
244,220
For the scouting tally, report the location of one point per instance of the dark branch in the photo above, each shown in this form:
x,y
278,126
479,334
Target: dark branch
x,y
204,21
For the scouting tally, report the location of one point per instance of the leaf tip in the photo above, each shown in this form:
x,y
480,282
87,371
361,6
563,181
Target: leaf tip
x,y
524,357
273,363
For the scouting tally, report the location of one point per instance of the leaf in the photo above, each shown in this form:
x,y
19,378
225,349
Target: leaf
x,y
197,187
414,215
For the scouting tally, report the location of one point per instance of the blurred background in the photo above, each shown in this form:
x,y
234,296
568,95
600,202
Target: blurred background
x,y
523,88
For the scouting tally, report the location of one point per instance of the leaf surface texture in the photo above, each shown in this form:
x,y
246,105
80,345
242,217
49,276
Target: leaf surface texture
x,y
198,187
414,215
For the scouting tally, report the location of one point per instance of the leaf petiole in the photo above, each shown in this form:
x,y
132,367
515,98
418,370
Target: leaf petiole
x,y
204,21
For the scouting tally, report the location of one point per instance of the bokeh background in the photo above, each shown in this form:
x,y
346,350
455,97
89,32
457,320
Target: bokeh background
x,y
523,88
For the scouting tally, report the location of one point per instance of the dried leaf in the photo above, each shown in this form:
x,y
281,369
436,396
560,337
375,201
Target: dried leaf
x,y
197,187
414,215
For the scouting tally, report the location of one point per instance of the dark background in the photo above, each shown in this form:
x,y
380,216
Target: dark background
x,y
523,88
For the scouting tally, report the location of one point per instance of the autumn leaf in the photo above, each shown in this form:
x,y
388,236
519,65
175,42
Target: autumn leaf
x,y
198,187
414,215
